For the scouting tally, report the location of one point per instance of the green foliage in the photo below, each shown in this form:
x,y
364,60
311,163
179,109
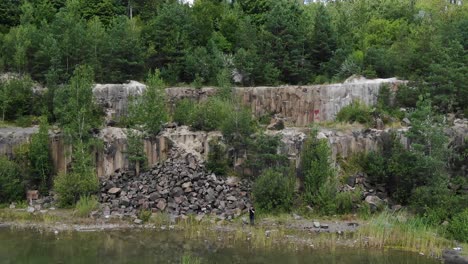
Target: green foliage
x,y
263,153
16,98
317,171
355,112
210,114
81,180
71,186
237,127
217,158
125,61
323,39
135,150
40,159
376,168
273,191
11,181
75,108
144,215
458,227
86,205
184,109
189,259
149,110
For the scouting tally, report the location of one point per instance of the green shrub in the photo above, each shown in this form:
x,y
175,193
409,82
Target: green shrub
x,y
263,154
144,215
237,126
80,181
40,159
86,205
316,167
135,150
273,191
355,112
325,198
209,115
25,121
183,112
376,168
16,98
458,227
11,182
70,187
189,259
345,201
217,158
149,110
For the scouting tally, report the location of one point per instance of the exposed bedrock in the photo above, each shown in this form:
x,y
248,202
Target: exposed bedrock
x,y
299,105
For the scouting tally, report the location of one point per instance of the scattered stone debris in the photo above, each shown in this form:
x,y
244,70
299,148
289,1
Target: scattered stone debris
x,y
179,186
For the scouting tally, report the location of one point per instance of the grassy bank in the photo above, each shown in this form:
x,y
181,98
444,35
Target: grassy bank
x,y
382,231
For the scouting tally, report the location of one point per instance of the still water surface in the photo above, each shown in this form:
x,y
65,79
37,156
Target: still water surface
x,y
26,246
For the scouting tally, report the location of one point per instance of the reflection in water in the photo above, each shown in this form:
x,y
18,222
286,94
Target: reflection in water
x,y
26,246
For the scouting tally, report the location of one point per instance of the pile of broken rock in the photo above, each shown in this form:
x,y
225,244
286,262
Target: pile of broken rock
x,y
178,186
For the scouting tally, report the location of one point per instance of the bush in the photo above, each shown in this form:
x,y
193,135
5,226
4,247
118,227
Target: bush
x,y
40,159
16,97
376,168
217,161
144,215
149,110
183,111
70,187
86,205
273,191
355,112
263,154
345,201
458,227
135,150
11,185
316,168
209,115
80,181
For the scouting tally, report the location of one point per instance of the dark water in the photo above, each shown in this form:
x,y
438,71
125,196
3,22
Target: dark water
x,y
25,246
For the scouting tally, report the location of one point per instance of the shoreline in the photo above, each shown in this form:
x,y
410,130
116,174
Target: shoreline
x,y
289,231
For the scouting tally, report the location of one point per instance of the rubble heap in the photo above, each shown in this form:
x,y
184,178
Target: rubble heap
x,y
179,186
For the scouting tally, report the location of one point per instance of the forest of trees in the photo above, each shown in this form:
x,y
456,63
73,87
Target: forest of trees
x,y
264,42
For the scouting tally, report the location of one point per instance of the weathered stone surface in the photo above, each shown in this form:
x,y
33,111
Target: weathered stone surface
x,y
299,105
374,201
114,97
114,190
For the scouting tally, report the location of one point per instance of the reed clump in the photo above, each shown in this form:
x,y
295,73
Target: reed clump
x,y
389,230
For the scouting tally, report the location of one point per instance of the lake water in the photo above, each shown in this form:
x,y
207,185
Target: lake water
x,y
133,246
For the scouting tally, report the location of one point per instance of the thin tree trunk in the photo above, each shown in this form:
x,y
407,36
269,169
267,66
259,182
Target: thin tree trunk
x,y
137,168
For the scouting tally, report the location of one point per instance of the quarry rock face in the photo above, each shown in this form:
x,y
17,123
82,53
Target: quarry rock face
x,y
113,156
114,98
299,105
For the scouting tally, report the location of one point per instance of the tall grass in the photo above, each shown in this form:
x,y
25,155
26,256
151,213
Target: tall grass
x,y
189,259
86,205
388,230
